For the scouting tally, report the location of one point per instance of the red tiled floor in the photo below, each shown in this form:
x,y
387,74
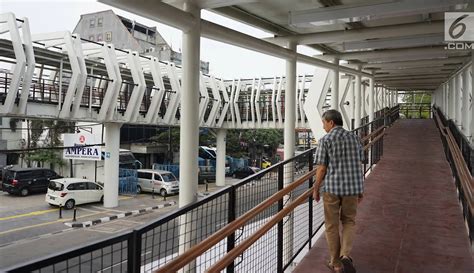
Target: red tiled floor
x,y
410,220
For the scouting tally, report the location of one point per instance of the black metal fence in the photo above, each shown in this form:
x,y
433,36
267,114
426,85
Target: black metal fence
x,y
416,110
149,247
467,152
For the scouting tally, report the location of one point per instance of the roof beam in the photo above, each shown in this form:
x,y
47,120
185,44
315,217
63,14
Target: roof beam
x,y
403,42
362,34
357,13
179,18
437,51
417,63
210,4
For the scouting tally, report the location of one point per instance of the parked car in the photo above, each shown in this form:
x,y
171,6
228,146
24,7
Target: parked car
x,y
24,181
266,164
163,182
246,171
69,192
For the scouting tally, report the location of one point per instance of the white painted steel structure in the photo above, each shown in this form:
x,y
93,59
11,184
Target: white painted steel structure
x,y
378,49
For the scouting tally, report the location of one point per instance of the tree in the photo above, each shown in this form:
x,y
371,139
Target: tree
x,y
54,130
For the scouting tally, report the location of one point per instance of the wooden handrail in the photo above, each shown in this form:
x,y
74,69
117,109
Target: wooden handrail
x,y
465,177
199,249
366,147
236,251
376,132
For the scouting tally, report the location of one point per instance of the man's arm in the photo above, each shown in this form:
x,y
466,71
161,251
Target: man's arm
x,y
320,174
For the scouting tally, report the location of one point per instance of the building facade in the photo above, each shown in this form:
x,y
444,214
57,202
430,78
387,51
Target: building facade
x,y
106,26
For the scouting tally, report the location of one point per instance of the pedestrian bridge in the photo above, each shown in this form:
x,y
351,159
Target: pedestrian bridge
x,y
417,215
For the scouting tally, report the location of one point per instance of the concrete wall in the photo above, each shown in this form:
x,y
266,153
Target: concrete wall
x,y
121,38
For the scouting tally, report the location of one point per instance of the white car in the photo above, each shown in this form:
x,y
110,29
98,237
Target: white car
x,y
162,182
68,192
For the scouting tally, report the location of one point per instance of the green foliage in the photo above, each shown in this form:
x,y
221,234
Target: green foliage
x,y
242,143
164,138
55,129
419,98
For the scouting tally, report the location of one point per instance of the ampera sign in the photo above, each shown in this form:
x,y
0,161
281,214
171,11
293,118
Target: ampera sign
x,y
76,147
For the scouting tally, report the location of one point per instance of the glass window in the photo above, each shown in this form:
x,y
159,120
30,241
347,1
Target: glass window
x,y
55,186
108,36
144,175
168,177
157,177
77,186
92,23
50,174
99,37
92,186
100,21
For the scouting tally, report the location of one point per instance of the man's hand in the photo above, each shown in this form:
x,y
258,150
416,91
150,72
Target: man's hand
x,y
316,194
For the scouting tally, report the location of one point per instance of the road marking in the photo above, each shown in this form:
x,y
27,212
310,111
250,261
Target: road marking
x,y
45,224
33,213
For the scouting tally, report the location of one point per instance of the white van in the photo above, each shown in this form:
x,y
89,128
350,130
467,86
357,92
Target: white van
x,y
163,182
68,192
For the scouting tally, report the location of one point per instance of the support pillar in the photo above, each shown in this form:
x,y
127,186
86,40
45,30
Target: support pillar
x,y
470,113
466,88
189,130
289,150
452,99
363,101
220,160
111,164
371,99
358,99
335,87
458,104
383,97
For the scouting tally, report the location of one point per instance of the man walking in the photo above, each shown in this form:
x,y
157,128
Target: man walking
x,y
340,180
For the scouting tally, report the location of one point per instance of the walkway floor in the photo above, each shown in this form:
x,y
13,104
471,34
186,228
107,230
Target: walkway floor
x,y
410,220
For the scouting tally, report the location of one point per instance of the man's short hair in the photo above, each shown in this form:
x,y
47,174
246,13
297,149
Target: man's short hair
x,y
333,115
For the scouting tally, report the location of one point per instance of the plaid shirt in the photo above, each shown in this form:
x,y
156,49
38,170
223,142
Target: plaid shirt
x,y
341,152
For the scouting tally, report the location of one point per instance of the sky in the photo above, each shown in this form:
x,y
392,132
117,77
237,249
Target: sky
x,y
226,61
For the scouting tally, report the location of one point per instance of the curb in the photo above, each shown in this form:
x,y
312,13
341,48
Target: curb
x,y
118,216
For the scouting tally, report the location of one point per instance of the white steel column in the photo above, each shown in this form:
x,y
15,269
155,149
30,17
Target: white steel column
x,y
358,100
111,164
335,87
383,97
458,104
189,124
452,99
445,99
371,100
189,130
471,107
362,101
220,160
466,87
289,150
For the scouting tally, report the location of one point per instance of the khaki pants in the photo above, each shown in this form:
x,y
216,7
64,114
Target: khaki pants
x,y
345,209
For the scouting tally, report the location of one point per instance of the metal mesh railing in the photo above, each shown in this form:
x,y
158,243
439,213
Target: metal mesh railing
x,y
196,226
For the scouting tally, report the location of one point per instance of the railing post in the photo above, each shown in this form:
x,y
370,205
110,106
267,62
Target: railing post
x,y
134,248
310,202
231,213
280,224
